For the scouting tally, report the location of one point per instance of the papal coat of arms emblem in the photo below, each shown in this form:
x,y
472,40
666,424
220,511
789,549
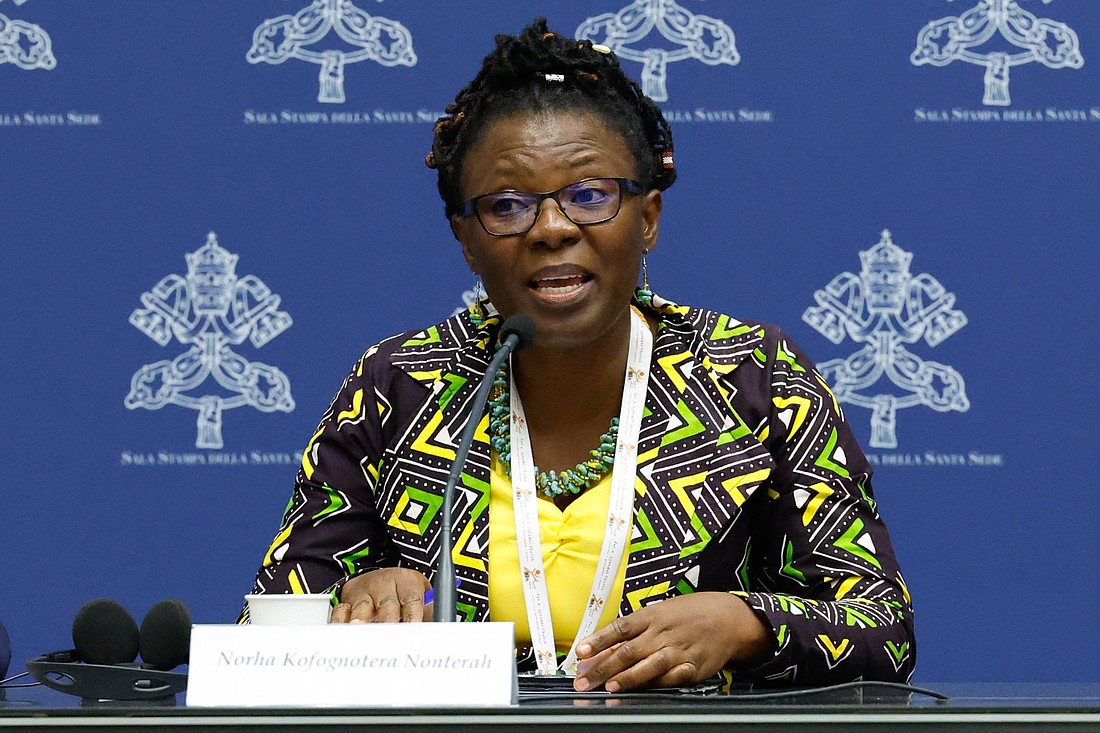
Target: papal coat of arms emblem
x,y
887,309
24,44
355,36
998,34
210,311
682,35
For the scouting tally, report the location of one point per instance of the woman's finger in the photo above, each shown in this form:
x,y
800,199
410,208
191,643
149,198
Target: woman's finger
x,y
363,610
341,614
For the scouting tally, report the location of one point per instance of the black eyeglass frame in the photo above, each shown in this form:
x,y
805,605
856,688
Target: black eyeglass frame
x,y
627,185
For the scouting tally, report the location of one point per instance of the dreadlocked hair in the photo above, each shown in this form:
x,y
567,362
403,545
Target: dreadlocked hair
x,y
541,71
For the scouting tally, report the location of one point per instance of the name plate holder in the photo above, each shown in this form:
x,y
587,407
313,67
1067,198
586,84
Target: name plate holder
x,y
352,665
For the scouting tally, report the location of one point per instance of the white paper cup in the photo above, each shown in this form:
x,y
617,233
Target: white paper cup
x,y
296,609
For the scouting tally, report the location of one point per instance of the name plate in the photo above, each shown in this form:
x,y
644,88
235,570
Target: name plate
x,y
352,665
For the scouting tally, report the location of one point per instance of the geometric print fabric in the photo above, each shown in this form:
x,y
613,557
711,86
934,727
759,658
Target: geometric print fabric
x,y
748,481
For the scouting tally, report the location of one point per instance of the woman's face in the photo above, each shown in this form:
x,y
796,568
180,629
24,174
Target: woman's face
x,y
574,280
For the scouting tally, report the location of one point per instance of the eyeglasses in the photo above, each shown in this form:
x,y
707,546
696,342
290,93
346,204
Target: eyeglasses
x,y
591,201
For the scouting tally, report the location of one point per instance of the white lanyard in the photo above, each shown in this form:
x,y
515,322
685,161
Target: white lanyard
x,y
619,511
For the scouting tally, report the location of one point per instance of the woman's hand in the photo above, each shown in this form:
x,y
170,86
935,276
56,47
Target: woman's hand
x,y
390,594
675,643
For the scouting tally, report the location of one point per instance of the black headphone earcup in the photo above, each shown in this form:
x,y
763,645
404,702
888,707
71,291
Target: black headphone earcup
x,y
5,651
165,637
105,633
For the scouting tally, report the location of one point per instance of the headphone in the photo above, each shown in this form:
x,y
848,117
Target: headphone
x,y
107,641
5,651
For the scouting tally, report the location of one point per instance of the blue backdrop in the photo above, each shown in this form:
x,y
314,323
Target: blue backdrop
x,y
909,182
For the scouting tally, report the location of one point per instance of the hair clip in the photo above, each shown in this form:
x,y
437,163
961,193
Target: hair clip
x,y
555,77
601,48
666,159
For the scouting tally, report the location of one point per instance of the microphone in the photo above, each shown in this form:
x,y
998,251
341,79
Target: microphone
x,y
522,327
107,641
518,331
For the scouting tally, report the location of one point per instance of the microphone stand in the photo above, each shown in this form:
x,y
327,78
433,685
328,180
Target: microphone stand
x,y
446,608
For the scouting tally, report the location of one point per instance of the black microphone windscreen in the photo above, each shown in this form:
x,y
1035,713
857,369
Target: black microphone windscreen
x,y
5,651
522,325
105,633
166,635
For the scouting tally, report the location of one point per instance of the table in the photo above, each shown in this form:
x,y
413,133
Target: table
x,y
970,707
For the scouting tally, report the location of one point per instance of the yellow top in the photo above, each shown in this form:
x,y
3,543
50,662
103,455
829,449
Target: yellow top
x,y
571,542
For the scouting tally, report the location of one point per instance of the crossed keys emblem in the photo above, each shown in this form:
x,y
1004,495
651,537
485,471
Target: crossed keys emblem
x,y
210,311
958,38
384,41
24,44
887,309
696,37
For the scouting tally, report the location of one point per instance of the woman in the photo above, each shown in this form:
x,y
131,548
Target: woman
x,y
637,451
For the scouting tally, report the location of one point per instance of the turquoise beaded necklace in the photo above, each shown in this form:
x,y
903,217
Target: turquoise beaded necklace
x,y
570,481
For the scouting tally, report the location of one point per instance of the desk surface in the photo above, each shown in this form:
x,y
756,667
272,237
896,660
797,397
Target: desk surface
x,y
987,707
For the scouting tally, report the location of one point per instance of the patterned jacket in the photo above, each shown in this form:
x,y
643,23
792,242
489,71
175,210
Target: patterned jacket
x,y
749,481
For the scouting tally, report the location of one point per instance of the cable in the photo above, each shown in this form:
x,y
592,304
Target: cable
x,y
738,697
859,684
5,686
